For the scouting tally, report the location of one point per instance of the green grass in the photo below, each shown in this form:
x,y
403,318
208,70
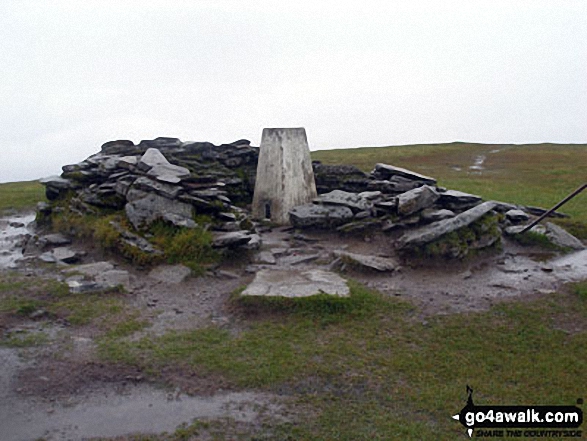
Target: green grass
x,y
20,195
537,174
24,340
107,311
375,370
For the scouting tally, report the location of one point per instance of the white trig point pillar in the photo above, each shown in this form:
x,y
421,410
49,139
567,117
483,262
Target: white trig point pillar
x,y
285,177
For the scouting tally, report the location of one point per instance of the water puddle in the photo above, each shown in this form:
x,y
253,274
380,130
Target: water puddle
x,y
478,164
13,230
572,267
144,410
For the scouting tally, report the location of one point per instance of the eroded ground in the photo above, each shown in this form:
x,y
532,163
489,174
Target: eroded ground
x,y
61,377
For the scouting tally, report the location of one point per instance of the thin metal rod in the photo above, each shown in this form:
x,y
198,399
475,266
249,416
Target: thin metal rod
x,y
560,204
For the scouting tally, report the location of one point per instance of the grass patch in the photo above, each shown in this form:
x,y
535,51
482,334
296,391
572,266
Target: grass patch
x,y
24,340
190,247
531,238
377,371
20,195
107,311
580,289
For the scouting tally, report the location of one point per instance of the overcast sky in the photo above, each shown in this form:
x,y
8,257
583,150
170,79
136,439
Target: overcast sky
x,y
75,74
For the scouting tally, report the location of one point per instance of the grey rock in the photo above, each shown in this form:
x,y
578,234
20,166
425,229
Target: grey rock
x,y
227,274
362,215
322,216
91,269
126,162
296,284
167,171
383,264
149,185
339,177
517,216
228,217
44,208
370,195
179,221
562,238
80,286
54,240
503,207
538,211
61,254
56,182
55,186
113,278
232,239
434,231
255,243
66,255
385,171
151,158
117,147
344,198
136,241
359,226
432,215
458,200
517,229
415,200
171,274
265,257
145,210
298,259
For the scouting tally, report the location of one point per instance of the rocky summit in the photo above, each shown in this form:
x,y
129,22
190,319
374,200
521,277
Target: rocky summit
x,y
179,183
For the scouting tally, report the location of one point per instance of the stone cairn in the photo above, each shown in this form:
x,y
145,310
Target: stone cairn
x,y
169,180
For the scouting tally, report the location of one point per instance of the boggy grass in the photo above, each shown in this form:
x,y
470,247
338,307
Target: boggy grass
x,y
379,370
22,296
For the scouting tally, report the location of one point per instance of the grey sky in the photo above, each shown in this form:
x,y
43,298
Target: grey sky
x,y
75,74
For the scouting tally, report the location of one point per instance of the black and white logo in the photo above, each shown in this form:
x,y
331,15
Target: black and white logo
x,y
516,421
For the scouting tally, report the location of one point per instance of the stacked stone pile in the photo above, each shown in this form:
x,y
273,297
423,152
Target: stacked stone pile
x,y
161,179
393,199
166,179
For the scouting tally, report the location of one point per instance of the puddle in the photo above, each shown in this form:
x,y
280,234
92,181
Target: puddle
x,y
144,410
13,229
572,267
478,165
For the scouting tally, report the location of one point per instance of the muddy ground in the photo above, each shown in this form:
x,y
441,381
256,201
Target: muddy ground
x,y
61,390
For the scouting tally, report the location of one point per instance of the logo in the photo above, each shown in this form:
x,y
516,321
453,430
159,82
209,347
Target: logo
x,y
518,421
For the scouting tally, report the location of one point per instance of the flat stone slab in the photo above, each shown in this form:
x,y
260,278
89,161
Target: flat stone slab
x,y
344,198
383,264
517,215
172,274
296,284
232,239
91,269
54,240
387,171
61,254
113,278
458,198
562,238
434,231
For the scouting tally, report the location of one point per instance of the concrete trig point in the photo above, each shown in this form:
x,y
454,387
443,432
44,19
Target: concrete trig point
x,y
285,178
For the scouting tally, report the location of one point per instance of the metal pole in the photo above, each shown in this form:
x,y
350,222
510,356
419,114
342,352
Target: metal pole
x,y
560,204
